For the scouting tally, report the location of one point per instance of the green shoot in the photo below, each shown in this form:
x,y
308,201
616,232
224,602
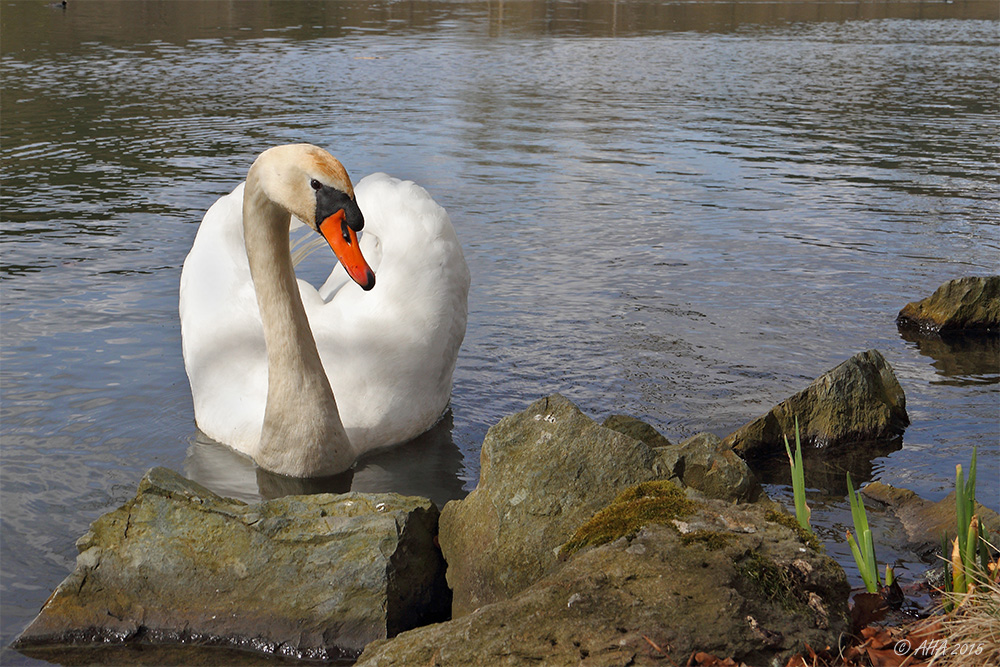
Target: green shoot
x,y
969,541
863,548
870,585
802,512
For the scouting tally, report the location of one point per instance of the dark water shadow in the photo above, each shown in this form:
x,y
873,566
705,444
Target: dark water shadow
x,y
826,469
960,359
427,466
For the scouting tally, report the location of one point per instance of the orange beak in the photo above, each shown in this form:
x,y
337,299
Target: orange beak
x,y
344,242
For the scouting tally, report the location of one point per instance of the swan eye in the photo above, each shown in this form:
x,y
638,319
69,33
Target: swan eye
x,y
316,185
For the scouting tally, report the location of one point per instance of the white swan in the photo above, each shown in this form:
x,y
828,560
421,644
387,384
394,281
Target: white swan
x,y
305,380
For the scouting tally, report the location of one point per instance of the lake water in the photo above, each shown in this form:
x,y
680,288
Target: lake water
x,y
682,212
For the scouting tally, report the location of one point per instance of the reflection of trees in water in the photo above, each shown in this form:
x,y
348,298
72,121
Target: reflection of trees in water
x,y
430,466
960,359
144,23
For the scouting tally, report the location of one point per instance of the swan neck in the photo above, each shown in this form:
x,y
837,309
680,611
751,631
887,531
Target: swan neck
x,y
302,435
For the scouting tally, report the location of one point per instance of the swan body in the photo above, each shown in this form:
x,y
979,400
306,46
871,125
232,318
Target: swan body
x,y
305,380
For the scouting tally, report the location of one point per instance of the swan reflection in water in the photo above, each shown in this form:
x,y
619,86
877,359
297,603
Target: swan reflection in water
x,y
430,465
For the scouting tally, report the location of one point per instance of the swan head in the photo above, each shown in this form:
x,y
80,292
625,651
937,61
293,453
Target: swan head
x,y
312,185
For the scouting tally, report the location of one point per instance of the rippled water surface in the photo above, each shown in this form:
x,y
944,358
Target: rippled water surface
x,y
683,212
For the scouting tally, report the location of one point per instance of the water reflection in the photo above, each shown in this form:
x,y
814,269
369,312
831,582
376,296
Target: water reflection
x,y
826,470
959,359
429,466
127,23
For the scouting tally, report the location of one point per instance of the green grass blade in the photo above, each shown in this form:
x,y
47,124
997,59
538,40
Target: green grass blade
x,y
864,546
969,555
869,552
855,518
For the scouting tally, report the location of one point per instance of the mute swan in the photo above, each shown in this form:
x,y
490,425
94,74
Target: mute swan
x,y
305,380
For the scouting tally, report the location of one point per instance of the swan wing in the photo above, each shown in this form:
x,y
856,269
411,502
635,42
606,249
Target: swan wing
x,y
222,337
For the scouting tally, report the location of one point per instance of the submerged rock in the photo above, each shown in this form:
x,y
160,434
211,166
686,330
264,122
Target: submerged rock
x,y
858,401
964,305
925,522
734,581
305,576
543,472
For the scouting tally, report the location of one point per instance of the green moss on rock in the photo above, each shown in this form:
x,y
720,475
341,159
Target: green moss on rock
x,y
658,501
790,522
712,540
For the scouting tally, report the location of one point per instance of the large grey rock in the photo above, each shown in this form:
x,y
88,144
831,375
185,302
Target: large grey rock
x,y
543,472
964,305
734,581
858,401
307,576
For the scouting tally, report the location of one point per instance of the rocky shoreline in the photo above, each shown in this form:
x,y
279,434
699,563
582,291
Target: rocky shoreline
x,y
583,543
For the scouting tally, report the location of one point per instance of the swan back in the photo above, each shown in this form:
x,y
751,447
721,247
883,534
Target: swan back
x,y
396,346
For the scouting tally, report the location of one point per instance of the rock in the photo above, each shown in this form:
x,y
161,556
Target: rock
x,y
964,305
925,521
705,463
636,429
543,472
858,401
701,462
304,576
734,581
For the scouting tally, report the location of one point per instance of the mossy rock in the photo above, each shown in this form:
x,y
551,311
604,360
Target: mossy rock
x,y
964,305
315,576
721,578
543,473
640,505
